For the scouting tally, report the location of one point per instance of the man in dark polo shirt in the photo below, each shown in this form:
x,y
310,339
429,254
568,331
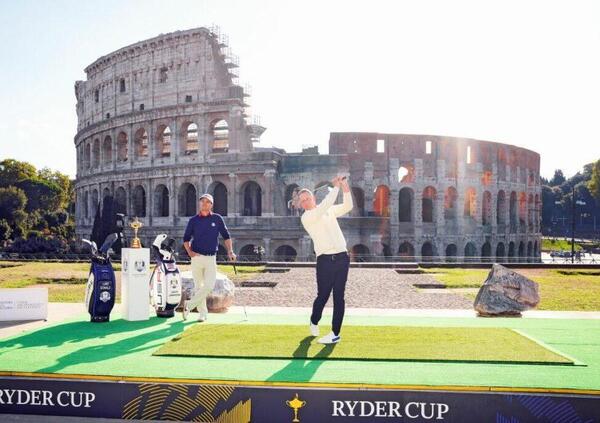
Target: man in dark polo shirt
x,y
203,231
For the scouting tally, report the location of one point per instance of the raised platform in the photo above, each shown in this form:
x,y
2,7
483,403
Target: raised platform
x,y
76,368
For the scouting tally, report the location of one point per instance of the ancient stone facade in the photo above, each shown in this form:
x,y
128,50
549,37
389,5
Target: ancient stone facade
x,y
163,120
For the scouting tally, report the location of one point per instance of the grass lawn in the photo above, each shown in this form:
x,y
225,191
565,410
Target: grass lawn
x,y
385,343
564,290
558,244
66,281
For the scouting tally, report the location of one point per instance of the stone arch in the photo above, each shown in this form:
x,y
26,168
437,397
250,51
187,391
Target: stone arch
x,y
248,253
537,211
486,208
122,147
470,251
140,144
105,193
189,135
511,251
360,253
251,199
95,203
381,201
139,201
427,251
120,200
96,153
291,203
522,209
501,208
486,251
428,204
107,150
470,203
285,253
405,202
161,201
219,192
450,206
521,251
87,156
451,252
500,252
163,141
406,250
187,200
359,201
513,212
219,130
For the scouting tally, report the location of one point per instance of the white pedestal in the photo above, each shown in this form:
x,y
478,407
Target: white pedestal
x,y
135,283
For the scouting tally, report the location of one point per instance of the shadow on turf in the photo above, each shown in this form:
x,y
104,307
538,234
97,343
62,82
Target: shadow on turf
x,y
301,368
81,331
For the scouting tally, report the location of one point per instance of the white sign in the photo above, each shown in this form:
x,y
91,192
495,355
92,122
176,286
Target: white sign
x,y
23,304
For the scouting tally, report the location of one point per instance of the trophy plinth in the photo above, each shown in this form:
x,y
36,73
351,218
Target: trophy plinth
x,y
136,225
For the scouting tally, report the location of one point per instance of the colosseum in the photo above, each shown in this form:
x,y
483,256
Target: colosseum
x,y
165,119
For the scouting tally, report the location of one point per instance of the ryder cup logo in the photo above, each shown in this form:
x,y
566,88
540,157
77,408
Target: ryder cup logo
x,y
105,296
140,265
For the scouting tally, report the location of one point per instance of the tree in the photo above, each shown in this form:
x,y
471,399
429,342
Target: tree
x,y
558,178
61,181
41,194
12,200
5,230
13,171
594,183
97,228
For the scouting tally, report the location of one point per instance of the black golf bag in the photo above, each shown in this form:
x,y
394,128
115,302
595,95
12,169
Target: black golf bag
x,y
165,281
101,286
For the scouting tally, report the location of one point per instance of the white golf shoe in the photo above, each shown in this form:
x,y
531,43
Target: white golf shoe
x,y
314,329
330,338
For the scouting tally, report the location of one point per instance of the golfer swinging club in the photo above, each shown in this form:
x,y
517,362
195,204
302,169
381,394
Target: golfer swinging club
x,y
203,230
332,258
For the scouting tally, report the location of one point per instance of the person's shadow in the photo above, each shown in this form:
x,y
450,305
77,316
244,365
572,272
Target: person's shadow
x,y
301,368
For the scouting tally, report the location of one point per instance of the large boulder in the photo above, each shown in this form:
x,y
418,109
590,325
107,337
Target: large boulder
x,y
506,293
221,297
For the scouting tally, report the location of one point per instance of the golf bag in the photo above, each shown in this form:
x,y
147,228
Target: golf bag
x,y
100,289
165,281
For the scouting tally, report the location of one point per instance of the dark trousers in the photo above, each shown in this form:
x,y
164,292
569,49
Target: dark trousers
x,y
332,273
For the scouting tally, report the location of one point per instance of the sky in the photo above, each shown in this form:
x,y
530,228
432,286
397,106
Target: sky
x,y
525,73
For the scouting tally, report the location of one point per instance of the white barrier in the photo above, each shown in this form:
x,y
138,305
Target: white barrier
x,y
23,304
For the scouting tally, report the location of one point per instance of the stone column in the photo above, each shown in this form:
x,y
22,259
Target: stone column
x,y
267,245
232,196
130,146
267,206
172,201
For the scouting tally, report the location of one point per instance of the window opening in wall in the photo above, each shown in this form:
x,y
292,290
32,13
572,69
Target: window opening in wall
x,y
188,98
402,172
122,85
381,146
96,96
355,146
163,75
142,106
108,116
427,147
468,154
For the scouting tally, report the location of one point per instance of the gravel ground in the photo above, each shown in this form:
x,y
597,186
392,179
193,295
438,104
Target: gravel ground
x,y
373,288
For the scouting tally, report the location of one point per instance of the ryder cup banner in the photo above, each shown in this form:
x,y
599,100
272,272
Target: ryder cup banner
x,y
263,404
23,304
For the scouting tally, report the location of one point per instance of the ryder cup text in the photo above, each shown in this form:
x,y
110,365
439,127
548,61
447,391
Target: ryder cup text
x,y
412,410
46,398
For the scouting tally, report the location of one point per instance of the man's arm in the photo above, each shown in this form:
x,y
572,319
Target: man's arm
x,y
314,214
346,206
227,240
187,236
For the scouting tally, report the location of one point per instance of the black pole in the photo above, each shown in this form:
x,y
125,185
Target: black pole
x,y
573,226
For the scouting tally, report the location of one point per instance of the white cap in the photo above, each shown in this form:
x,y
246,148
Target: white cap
x,y
208,197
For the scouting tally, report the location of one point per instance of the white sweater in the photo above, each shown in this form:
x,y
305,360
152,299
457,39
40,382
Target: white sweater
x,y
322,225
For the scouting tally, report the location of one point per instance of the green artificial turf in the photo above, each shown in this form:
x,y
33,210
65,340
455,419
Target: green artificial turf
x,y
363,343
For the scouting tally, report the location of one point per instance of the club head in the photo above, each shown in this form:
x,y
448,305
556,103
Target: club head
x,y
108,242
